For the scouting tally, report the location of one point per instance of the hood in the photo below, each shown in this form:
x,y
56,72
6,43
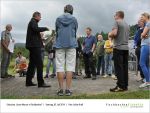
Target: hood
x,y
66,19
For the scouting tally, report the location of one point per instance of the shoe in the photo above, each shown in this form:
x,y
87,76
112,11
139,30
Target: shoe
x,y
105,76
53,75
117,89
74,77
94,78
30,84
60,92
87,77
46,76
68,93
144,80
44,86
113,76
109,75
144,85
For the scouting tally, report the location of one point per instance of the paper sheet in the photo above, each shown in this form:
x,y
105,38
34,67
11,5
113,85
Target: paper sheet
x,y
11,46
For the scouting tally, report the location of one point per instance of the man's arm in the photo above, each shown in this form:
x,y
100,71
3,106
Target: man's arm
x,y
93,47
3,41
144,34
114,31
35,27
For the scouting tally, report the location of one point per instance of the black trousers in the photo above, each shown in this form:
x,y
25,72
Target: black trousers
x,y
89,64
35,61
121,67
138,53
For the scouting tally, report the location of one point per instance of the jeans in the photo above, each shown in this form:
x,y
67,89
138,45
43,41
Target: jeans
x,y
6,56
121,67
108,63
138,52
101,65
35,61
144,61
89,64
49,64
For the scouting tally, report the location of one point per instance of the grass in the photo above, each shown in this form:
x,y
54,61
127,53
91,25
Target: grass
x,y
140,94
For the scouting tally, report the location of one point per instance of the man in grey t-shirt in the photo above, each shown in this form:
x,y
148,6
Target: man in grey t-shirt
x,y
120,34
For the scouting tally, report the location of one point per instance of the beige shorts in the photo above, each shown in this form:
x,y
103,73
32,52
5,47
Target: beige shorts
x,y
65,60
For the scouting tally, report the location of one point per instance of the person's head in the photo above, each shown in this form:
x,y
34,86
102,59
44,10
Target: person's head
x,y
119,15
37,15
140,23
99,37
19,54
145,17
109,38
9,27
68,9
88,31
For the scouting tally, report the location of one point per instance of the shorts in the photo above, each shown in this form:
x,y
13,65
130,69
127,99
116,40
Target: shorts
x,y
65,60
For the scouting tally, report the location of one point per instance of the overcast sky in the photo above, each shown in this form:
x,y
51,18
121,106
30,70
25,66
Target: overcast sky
x,y
97,14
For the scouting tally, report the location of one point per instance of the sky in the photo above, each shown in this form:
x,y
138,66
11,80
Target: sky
x,y
97,14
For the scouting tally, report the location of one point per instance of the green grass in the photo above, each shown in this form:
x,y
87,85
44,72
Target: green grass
x,y
140,94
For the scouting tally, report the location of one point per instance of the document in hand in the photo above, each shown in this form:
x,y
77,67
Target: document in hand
x,y
11,46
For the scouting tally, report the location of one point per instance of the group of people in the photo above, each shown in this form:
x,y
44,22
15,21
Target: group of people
x,y
66,50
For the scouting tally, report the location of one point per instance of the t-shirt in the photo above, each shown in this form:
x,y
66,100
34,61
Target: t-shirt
x,y
6,36
88,44
121,40
100,48
146,41
108,46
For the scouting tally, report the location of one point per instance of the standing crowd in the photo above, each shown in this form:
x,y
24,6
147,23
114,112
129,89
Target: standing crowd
x,y
66,51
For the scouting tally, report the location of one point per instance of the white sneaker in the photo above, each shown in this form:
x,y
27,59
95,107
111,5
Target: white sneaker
x,y
113,76
144,85
105,76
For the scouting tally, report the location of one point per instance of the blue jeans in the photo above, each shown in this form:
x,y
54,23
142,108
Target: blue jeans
x,y
108,63
144,61
49,65
101,65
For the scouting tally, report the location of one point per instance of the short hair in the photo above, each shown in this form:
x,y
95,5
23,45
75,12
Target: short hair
x,y
36,14
147,15
8,25
19,52
89,28
68,9
120,14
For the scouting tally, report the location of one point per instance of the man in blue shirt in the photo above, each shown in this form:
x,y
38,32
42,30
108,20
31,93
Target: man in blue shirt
x,y
137,45
89,45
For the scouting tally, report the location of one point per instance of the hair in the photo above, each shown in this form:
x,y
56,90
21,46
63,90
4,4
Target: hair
x,y
147,15
36,14
89,28
8,25
120,14
19,53
68,9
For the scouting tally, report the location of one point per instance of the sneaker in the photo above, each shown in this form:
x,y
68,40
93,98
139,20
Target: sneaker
x,y
105,76
117,89
94,78
144,85
60,92
113,76
144,80
53,75
46,76
68,93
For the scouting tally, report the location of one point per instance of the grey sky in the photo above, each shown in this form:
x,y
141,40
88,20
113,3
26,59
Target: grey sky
x,y
97,14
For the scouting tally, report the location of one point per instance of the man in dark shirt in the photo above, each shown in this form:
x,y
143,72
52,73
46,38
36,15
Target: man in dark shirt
x,y
89,45
34,45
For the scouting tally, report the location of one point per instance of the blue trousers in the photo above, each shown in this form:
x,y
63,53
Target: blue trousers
x,y
144,61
